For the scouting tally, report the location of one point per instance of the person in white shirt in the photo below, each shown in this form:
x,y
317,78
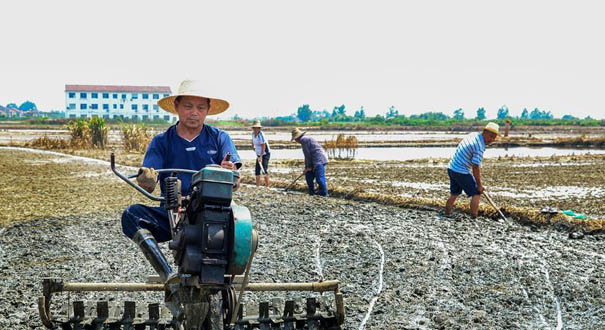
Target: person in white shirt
x,y
261,147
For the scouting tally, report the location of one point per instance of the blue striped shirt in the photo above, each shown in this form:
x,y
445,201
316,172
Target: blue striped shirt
x,y
469,151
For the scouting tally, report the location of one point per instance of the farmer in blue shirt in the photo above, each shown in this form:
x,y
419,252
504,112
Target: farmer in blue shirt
x,y
468,156
189,144
315,162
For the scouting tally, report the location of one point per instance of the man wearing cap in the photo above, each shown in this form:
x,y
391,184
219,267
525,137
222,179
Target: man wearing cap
x,y
189,144
315,162
467,158
260,144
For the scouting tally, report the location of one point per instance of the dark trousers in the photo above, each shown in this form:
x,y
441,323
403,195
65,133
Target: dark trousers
x,y
154,219
318,174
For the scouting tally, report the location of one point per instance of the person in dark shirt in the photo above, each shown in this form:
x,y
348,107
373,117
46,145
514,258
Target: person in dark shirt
x,y
315,162
189,144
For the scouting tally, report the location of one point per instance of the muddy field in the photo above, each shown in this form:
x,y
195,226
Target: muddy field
x,y
399,268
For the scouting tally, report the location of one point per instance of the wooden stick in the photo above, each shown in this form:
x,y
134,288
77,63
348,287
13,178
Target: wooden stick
x,y
491,202
293,182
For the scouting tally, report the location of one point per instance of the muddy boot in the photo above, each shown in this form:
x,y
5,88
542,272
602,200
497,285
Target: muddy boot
x,y
154,255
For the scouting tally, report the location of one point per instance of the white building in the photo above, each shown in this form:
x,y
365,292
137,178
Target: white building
x,y
111,102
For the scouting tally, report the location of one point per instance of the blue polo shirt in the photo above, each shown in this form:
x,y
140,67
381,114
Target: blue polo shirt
x,y
169,150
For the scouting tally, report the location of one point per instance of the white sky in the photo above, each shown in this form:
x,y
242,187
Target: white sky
x,y
269,57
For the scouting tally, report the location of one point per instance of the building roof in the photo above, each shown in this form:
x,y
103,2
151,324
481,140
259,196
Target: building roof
x,y
113,88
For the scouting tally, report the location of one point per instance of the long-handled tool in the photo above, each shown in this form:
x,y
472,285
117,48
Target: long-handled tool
x,y
293,182
262,168
491,202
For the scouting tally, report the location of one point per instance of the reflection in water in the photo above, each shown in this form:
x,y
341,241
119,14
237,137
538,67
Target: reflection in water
x,y
409,153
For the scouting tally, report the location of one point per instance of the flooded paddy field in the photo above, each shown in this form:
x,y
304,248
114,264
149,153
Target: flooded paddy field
x,y
399,268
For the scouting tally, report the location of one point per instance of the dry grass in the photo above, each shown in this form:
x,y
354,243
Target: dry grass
x,y
342,147
135,137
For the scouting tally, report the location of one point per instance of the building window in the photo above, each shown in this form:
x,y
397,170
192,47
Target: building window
x,y
166,95
105,106
105,95
145,96
72,106
83,106
83,116
106,116
94,106
145,117
167,118
146,107
156,96
156,107
73,115
134,107
115,116
135,96
121,106
123,96
115,95
94,95
156,117
115,106
72,95
82,95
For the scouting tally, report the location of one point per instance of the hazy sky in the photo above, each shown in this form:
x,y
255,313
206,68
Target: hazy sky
x,y
269,57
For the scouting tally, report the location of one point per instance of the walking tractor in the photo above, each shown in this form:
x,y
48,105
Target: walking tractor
x,y
213,244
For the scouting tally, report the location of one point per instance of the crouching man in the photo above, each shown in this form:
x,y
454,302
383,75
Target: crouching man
x,y
189,144
467,158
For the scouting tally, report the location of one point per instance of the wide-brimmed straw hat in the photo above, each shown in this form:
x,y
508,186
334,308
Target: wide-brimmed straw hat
x,y
193,88
296,133
256,124
492,127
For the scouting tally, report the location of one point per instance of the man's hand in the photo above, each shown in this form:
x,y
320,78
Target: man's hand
x,y
481,188
307,170
147,179
259,159
226,163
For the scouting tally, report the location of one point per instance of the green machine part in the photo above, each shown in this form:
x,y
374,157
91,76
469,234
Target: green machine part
x,y
244,240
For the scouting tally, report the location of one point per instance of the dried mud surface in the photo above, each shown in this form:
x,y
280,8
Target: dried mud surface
x,y
416,268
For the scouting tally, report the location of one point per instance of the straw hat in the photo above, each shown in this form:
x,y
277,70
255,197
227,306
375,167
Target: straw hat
x,y
256,124
296,133
193,88
492,127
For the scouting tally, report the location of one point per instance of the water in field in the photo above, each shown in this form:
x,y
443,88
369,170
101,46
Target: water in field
x,y
410,153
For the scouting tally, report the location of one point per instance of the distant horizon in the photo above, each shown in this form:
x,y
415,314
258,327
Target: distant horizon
x,y
268,58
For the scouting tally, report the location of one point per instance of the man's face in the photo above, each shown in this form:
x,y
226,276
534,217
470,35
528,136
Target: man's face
x,y
489,137
256,130
192,111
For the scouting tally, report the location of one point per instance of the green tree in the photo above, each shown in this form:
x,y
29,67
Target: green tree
x,y
304,113
480,114
12,106
360,114
459,114
525,114
28,106
392,113
503,112
569,117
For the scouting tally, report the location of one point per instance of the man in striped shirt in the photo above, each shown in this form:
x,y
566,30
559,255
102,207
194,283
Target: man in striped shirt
x,y
467,158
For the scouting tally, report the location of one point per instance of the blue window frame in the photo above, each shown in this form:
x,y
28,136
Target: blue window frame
x,y
94,95
105,95
145,117
146,107
145,96
106,116
94,106
71,95
166,95
121,106
83,106
82,95
167,117
156,116
134,107
156,96
124,96
156,107
105,106
135,96
72,106
83,116
115,95
115,106
72,115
